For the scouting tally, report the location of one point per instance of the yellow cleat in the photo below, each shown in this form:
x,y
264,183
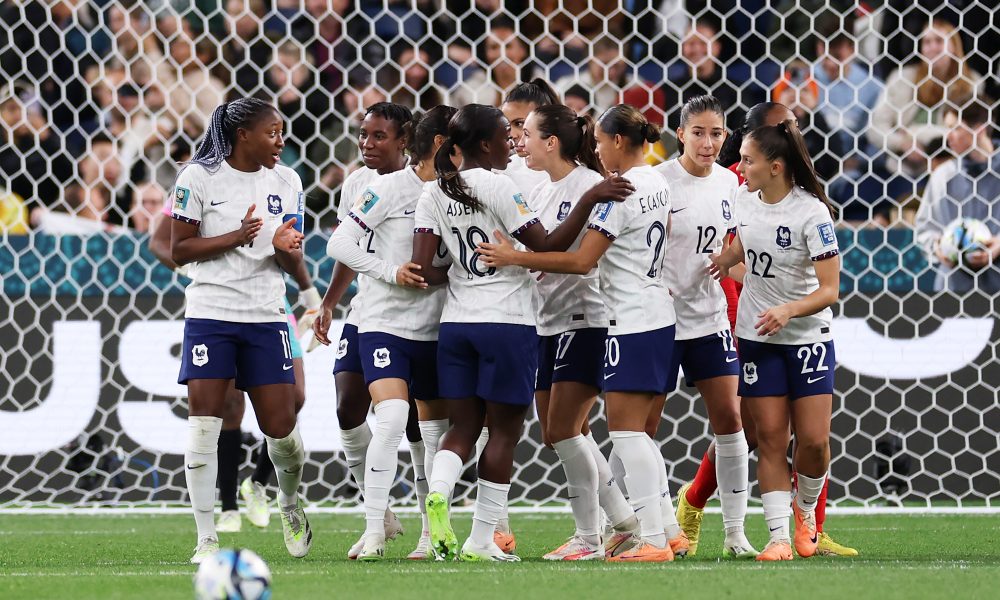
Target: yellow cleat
x,y
828,547
689,517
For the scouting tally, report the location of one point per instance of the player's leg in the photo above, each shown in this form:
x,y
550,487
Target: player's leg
x,y
432,422
772,414
230,453
353,404
678,540
811,417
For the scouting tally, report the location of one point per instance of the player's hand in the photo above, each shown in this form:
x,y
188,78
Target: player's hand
x,y
500,254
941,256
407,276
538,275
718,269
773,320
613,188
321,328
976,259
286,238
249,227
313,303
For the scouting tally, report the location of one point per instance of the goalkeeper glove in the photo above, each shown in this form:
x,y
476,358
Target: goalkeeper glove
x,y
313,303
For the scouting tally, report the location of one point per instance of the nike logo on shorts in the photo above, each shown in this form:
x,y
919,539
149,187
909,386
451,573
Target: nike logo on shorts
x,y
286,367
607,377
815,379
730,359
557,367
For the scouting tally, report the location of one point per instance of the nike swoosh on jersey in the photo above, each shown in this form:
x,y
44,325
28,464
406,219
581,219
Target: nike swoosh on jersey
x,y
409,212
677,210
214,203
814,380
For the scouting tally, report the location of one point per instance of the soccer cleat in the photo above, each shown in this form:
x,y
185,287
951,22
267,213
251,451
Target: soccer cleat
x,y
372,548
689,517
207,546
806,536
828,547
576,549
229,522
738,548
680,545
780,550
444,544
298,534
645,552
392,525
423,549
491,553
356,548
255,498
618,542
505,541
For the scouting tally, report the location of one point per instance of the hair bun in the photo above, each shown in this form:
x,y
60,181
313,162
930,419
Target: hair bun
x,y
651,133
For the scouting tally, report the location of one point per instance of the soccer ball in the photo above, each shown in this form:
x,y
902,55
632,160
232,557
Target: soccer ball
x,y
964,235
233,575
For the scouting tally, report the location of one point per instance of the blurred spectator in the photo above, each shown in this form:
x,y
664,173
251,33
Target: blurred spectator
x,y
32,164
578,98
969,188
848,90
245,48
193,92
604,76
799,92
13,214
105,195
503,55
910,110
324,22
300,101
415,90
147,203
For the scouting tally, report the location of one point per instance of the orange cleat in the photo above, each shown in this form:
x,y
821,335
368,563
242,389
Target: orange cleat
x,y
645,552
776,551
806,537
505,541
680,545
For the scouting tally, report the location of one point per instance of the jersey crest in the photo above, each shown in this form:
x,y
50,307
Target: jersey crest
x,y
784,237
563,211
274,204
727,212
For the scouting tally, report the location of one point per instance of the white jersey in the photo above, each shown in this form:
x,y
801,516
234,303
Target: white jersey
x,y
245,284
477,293
780,242
563,301
526,179
387,211
701,214
631,271
350,194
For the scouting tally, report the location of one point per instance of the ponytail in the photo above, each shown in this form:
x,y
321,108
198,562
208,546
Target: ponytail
x,y
587,155
220,137
628,122
784,141
467,129
575,134
756,117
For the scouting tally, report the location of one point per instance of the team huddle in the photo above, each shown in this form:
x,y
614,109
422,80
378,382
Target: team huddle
x,y
518,256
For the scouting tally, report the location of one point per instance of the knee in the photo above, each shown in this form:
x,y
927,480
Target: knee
x,y
350,412
278,426
812,448
727,423
559,431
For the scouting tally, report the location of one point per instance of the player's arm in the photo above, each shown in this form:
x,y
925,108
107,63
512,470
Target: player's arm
x,y
425,246
344,248
613,188
724,261
774,319
187,246
159,241
582,261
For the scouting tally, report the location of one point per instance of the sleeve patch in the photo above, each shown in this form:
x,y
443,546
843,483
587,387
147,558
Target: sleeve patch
x,y
826,234
604,210
181,197
826,255
522,206
524,227
368,200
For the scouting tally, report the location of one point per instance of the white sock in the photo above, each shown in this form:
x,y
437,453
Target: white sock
x,y
381,460
609,495
202,468
417,456
777,508
732,471
484,437
288,457
617,470
581,481
431,431
447,469
355,449
809,489
642,481
491,498
670,526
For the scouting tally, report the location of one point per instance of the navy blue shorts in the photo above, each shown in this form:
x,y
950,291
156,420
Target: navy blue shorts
x,y
638,362
706,357
385,356
348,353
493,361
253,354
576,356
795,371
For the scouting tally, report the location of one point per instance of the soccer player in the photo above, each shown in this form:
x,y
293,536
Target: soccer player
x,y
235,325
785,236
382,141
487,346
703,194
693,496
519,102
627,240
572,327
398,326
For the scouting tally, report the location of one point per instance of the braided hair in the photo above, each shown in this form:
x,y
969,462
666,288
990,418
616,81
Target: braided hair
x,y
220,137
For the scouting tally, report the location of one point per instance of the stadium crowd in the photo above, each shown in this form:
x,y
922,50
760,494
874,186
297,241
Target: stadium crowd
x,y
102,100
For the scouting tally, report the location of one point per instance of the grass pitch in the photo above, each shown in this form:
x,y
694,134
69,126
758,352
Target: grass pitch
x,y
145,556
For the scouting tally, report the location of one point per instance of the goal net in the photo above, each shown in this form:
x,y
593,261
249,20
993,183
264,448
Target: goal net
x,y
101,100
